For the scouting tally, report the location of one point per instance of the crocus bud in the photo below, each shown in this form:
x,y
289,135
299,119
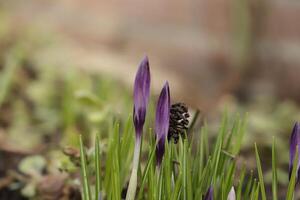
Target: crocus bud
x,y
231,195
162,121
209,194
141,95
295,143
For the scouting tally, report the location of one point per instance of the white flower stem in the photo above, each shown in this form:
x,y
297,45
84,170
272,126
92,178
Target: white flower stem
x,y
133,178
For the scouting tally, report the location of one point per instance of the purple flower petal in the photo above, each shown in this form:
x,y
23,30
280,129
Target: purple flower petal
x,y
141,95
294,141
162,121
209,194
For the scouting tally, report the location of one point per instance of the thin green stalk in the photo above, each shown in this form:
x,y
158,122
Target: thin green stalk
x,y
186,181
97,167
146,172
86,187
160,182
260,175
241,181
274,172
249,185
177,189
292,183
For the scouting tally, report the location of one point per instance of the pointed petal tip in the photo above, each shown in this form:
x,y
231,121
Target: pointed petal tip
x,y
145,57
166,85
297,125
295,132
209,194
143,69
145,62
231,195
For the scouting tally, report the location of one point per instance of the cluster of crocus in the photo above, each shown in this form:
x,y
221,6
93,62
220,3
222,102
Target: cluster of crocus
x,y
177,121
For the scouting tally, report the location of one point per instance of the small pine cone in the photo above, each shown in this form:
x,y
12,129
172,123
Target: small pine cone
x,y
179,122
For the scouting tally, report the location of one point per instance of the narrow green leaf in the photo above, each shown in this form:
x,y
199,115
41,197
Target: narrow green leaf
x,y
160,183
292,183
146,172
177,190
240,135
86,187
97,167
241,182
229,178
126,150
274,171
185,172
260,175
218,147
255,191
249,185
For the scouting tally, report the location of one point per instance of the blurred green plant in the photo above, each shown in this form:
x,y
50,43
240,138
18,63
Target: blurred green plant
x,y
188,169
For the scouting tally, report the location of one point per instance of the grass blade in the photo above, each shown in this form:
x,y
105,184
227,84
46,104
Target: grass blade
x,y
260,174
292,183
186,181
86,187
241,181
146,172
274,172
97,167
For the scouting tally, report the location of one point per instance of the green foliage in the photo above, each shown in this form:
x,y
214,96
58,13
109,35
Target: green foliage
x,y
188,169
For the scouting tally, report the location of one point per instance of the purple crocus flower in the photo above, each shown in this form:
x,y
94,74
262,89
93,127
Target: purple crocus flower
x,y
162,122
141,96
209,194
294,142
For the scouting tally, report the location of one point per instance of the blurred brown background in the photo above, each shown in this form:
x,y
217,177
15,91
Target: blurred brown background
x,y
204,48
